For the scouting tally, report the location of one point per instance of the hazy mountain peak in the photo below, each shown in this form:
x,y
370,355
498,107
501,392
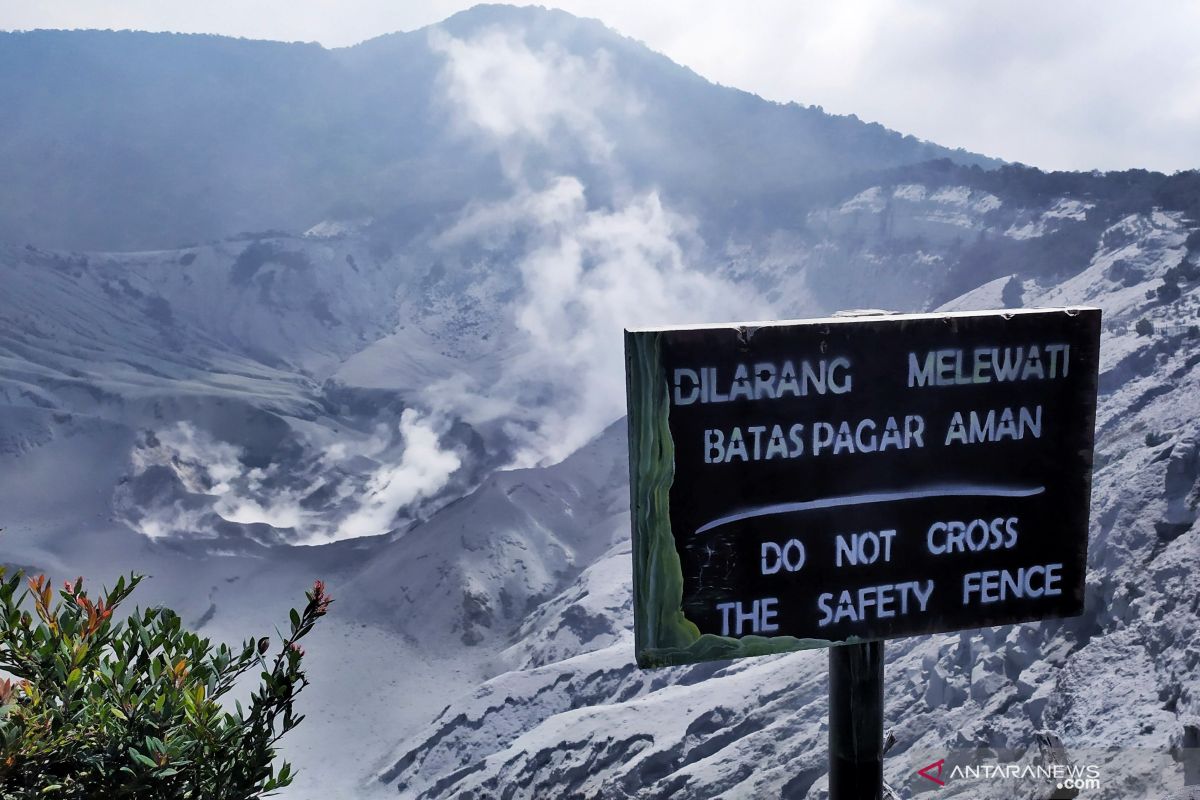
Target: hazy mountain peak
x,y
180,139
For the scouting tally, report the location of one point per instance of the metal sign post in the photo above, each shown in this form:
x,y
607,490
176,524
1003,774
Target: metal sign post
x,y
856,721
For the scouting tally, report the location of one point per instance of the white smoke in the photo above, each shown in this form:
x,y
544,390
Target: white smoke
x,y
585,272
423,470
217,482
520,98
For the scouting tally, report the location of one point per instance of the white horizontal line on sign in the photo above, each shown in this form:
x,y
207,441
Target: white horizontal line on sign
x,y
950,490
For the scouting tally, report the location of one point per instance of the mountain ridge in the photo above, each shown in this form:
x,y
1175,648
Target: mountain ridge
x,y
282,135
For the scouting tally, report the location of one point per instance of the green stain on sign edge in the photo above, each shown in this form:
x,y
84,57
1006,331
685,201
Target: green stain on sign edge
x,y
663,635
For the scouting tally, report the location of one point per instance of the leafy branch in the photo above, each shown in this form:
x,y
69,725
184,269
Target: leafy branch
x,y
99,706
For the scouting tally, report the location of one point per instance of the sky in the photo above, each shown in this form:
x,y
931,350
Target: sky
x,y
1061,85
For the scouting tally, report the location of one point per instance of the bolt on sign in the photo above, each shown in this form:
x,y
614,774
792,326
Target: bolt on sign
x,y
804,484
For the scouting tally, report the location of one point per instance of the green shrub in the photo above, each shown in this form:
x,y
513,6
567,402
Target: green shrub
x,y
132,708
1144,327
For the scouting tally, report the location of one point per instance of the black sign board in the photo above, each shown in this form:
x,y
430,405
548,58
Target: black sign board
x,y
802,484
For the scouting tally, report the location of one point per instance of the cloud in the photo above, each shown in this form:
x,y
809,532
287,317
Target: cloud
x,y
585,271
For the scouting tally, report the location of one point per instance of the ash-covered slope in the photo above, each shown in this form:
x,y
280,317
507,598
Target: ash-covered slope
x,y
574,717
213,363
479,566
